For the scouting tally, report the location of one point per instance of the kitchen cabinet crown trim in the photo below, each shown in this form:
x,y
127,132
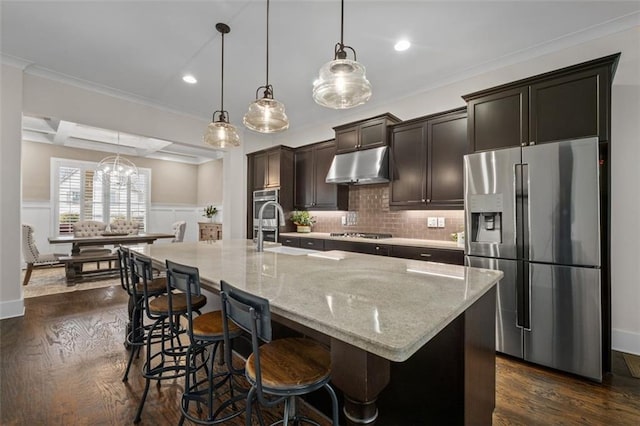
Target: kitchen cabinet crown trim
x,y
386,115
422,119
610,61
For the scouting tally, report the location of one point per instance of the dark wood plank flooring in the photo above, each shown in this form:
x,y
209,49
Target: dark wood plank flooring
x,y
61,364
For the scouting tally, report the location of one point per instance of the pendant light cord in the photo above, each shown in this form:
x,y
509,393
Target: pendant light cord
x,y
267,43
342,23
222,77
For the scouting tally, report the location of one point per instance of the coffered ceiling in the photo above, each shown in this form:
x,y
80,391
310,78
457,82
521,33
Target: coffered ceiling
x,y
141,49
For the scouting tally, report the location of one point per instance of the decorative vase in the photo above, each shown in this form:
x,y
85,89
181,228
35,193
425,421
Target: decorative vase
x,y
302,228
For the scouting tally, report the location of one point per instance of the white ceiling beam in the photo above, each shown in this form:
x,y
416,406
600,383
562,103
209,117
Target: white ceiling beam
x,y
63,132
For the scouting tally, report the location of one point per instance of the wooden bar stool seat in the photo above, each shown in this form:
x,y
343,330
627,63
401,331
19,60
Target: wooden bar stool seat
x,y
156,286
289,364
209,326
160,305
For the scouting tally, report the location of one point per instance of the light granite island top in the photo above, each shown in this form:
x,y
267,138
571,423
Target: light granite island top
x,y
384,308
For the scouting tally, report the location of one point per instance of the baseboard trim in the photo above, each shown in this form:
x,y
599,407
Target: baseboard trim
x,y
625,341
11,309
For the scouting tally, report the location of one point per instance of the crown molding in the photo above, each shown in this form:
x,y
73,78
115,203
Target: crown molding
x,y
39,71
14,61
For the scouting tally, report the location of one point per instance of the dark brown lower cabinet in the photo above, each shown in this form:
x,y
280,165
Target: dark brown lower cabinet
x,y
312,243
290,241
455,257
358,247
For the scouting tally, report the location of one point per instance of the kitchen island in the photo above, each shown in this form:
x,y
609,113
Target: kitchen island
x,y
375,314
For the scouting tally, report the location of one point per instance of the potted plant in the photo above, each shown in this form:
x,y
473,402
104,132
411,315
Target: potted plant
x,y
303,220
209,212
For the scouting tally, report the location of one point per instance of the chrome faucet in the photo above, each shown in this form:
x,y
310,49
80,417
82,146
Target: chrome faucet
x,y
260,245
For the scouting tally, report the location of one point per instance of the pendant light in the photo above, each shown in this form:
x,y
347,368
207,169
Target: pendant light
x,y
342,82
266,115
116,170
220,133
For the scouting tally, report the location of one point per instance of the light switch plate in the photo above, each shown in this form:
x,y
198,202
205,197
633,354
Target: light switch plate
x,y
432,222
441,222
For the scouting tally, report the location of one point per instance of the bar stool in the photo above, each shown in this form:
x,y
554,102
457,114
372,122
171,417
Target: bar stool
x,y
206,332
136,334
163,363
281,369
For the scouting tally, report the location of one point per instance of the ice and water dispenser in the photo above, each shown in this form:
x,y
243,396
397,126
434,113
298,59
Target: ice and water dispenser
x,y
486,218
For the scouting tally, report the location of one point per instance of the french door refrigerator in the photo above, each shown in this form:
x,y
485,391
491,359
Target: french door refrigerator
x,y
533,212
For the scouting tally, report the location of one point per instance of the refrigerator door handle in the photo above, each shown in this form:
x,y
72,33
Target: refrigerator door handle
x,y
517,196
525,213
523,295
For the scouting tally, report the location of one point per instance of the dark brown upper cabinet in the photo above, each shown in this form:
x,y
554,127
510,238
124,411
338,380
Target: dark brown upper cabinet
x,y
270,168
427,161
312,164
363,134
569,103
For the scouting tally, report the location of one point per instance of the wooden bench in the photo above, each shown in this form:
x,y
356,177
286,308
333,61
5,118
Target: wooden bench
x,y
74,271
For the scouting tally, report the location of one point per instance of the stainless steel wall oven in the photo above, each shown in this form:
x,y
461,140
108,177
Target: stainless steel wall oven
x,y
269,216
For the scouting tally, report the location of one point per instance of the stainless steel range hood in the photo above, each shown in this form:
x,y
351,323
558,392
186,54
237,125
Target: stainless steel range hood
x,y
360,167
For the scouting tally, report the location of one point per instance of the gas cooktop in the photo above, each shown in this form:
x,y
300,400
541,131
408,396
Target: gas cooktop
x,y
370,235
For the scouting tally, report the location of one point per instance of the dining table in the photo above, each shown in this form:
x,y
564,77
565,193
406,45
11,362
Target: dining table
x,y
75,260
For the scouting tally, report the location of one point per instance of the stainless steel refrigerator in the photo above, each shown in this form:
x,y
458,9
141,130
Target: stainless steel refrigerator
x,y
533,212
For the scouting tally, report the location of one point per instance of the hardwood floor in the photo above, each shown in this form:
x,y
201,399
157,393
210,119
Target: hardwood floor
x,y
61,364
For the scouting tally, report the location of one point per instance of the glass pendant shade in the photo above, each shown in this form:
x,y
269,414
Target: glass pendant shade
x,y
342,84
220,134
266,115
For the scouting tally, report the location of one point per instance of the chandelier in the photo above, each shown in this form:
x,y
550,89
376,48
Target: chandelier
x,y
117,170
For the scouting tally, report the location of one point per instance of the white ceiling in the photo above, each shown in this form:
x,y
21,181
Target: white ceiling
x,y
141,49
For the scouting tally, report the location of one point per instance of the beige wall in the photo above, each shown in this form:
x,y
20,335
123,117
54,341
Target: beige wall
x,y
210,177
171,182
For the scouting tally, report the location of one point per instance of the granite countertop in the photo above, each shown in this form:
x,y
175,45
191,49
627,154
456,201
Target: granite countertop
x,y
413,242
390,307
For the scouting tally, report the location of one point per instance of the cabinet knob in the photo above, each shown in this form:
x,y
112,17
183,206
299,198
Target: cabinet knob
x,y
532,143
428,200
423,200
523,144
309,243
425,255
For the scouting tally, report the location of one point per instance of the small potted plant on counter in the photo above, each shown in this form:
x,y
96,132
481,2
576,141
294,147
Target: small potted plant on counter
x,y
210,212
303,220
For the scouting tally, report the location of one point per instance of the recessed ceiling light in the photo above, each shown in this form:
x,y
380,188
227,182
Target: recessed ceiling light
x,y
189,79
402,45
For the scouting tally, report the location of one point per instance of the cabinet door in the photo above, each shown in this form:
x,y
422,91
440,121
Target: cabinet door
x,y
290,241
312,243
304,194
455,257
499,120
570,107
408,166
372,134
347,139
328,196
259,170
273,169
447,138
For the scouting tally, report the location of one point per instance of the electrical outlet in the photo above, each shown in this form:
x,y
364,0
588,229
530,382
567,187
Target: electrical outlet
x,y
441,222
432,222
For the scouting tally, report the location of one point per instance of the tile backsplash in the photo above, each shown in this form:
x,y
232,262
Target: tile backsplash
x,y
369,212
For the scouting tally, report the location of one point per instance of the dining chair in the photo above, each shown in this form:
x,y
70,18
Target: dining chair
x,y
123,226
179,228
32,256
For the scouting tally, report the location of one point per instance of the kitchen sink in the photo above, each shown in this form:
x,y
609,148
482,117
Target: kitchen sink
x,y
293,251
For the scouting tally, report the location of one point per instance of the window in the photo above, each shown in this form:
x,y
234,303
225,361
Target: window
x,y
81,193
